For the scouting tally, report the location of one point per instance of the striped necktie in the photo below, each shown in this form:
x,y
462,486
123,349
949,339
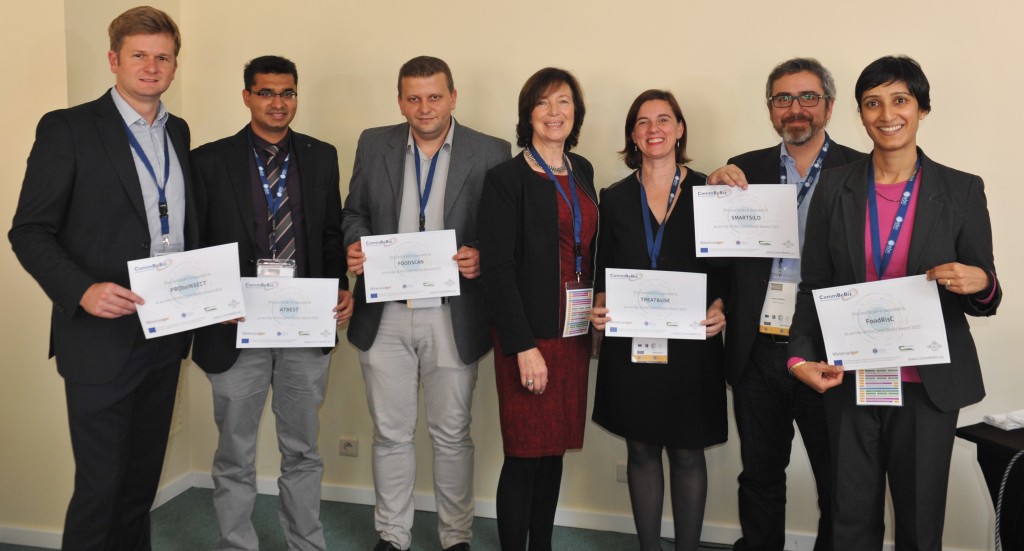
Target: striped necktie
x,y
283,240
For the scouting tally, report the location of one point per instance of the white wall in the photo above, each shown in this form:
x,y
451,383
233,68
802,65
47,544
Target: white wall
x,y
713,55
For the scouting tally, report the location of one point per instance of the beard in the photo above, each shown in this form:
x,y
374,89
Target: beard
x,y
798,136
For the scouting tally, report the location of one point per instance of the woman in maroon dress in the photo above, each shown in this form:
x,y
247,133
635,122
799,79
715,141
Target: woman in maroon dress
x,y
538,220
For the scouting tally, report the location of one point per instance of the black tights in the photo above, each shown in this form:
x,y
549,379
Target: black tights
x,y
688,483
526,501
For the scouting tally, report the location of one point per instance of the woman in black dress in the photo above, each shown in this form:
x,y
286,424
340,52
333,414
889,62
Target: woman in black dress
x,y
678,406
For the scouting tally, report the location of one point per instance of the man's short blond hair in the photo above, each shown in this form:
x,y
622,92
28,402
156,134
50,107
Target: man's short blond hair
x,y
142,20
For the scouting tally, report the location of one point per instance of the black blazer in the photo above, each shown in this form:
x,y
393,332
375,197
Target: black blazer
x,y
519,249
951,225
750,275
225,208
80,219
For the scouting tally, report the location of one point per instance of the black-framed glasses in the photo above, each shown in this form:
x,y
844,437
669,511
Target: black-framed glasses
x,y
806,99
267,94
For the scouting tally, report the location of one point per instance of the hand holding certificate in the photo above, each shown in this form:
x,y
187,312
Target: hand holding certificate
x,y
184,291
288,313
655,304
410,266
888,323
760,221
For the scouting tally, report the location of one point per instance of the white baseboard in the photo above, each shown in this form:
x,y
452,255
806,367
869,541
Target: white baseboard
x,y
172,489
572,518
32,537
51,539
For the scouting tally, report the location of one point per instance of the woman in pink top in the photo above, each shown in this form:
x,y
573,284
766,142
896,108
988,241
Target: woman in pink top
x,y
897,213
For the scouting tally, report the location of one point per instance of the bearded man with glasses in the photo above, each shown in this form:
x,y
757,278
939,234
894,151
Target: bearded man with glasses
x,y
800,94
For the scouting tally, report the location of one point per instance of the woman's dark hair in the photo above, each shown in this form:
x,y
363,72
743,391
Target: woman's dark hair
x,y
889,69
630,154
536,87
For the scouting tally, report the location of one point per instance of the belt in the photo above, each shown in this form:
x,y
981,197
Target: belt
x,y
444,300
775,339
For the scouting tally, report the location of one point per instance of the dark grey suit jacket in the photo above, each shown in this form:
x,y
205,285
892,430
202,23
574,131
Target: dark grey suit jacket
x,y
225,207
951,225
371,208
80,219
750,275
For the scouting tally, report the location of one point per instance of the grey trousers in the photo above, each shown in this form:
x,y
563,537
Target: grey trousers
x,y
415,346
299,379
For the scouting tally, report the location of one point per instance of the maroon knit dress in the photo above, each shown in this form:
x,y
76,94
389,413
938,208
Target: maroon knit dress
x,y
550,423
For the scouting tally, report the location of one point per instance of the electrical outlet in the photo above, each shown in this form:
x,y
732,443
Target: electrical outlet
x,y
620,472
348,446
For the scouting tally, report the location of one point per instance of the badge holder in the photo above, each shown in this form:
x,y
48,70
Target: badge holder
x,y
879,387
273,267
167,246
579,300
649,351
779,305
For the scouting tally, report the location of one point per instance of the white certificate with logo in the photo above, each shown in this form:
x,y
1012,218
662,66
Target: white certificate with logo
x,y
284,312
760,221
888,323
414,265
655,304
187,290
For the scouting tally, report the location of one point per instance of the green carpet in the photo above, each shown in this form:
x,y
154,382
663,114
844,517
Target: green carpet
x,y
188,523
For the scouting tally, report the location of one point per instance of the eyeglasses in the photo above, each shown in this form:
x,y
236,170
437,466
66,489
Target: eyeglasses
x,y
807,99
267,94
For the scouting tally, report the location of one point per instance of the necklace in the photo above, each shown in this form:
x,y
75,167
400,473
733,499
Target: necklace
x,y
878,191
554,169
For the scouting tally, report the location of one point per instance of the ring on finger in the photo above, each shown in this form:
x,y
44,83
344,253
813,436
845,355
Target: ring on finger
x,y
529,383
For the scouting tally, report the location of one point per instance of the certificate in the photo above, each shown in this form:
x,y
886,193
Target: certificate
x,y
187,290
410,266
888,323
284,312
655,304
760,221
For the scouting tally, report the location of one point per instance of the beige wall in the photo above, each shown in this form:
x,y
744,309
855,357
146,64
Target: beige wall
x,y
348,54
33,429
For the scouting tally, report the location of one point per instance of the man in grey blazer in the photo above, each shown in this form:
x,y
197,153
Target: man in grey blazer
x,y
438,344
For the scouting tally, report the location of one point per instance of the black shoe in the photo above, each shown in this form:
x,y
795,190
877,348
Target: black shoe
x,y
385,546
458,547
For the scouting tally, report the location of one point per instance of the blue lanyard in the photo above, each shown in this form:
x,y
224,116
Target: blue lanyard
x,y
654,241
273,200
165,225
812,177
424,195
881,259
574,205
812,174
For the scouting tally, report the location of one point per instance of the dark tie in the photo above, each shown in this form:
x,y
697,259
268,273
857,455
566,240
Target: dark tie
x,y
284,242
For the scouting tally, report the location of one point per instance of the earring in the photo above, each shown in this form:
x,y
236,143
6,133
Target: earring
x,y
635,148
677,144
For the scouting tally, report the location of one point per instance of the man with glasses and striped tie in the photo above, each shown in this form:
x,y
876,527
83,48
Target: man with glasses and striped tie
x,y
275,192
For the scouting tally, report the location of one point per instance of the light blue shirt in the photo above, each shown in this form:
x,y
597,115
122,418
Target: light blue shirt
x,y
788,269
409,213
151,138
